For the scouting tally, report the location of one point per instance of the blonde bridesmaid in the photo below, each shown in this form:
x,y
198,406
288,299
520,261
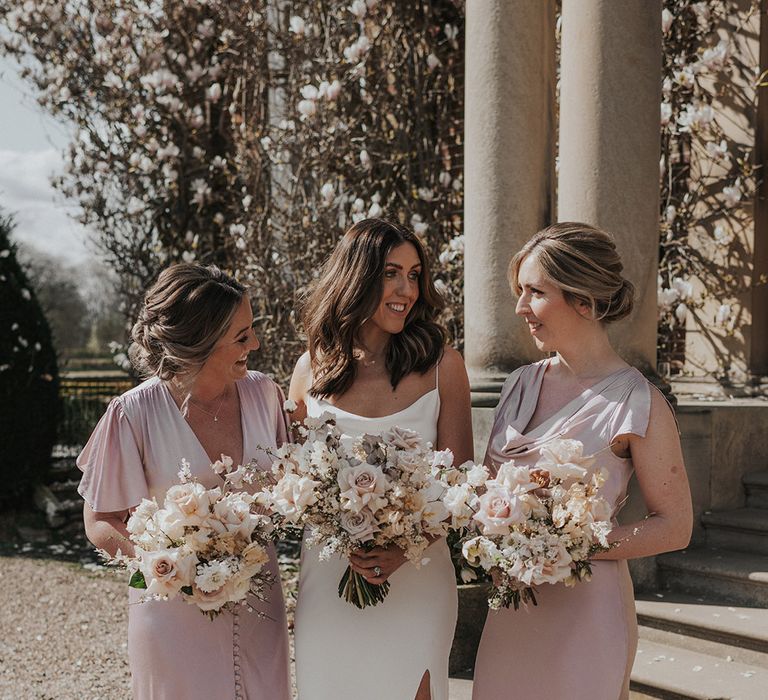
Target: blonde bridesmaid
x,y
579,643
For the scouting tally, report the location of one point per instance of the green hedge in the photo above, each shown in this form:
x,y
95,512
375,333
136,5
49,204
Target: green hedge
x,y
29,378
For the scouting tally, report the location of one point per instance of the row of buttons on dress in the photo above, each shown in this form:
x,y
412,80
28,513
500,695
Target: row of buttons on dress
x,y
236,652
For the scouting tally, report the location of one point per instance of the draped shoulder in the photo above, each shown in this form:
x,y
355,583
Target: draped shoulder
x,y
632,405
112,460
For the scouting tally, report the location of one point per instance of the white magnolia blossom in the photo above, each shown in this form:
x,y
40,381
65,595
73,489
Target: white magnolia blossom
x,y
357,50
298,26
732,194
213,93
359,9
723,314
666,20
433,62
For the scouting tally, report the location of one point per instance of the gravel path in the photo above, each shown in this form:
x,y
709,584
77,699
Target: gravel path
x,y
64,631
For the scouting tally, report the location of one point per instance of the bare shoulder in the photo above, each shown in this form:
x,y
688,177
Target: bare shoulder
x,y
662,415
452,363
453,374
302,377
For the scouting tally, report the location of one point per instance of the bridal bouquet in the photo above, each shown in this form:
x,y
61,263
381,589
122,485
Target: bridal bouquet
x,y
206,545
539,525
377,490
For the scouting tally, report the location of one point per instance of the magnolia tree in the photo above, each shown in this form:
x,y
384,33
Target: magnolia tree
x,y
707,181
251,135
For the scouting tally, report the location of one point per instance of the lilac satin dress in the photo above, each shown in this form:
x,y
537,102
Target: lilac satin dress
x,y
578,643
175,651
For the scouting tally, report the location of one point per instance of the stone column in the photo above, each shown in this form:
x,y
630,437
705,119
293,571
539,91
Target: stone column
x,y
610,144
758,351
508,161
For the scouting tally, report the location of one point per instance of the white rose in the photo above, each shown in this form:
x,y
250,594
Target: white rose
x,y
442,459
517,479
293,494
191,499
137,523
480,551
477,475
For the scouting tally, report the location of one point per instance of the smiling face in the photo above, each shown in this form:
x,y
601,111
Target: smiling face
x,y
400,288
229,357
551,319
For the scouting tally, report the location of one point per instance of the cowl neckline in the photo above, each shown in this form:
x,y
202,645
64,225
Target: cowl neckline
x,y
520,440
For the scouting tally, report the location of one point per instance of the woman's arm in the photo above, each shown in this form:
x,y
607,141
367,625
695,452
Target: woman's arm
x,y
658,462
454,426
300,385
107,531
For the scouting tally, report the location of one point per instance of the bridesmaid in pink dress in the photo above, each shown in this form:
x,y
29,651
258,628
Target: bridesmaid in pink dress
x,y
579,643
193,337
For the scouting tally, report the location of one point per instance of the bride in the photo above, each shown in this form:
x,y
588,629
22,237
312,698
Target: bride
x,y
376,358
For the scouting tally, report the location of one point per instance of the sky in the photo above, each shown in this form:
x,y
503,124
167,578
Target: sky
x,y
31,146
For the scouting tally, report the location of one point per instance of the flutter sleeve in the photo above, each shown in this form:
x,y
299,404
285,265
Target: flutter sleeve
x,y
633,410
113,470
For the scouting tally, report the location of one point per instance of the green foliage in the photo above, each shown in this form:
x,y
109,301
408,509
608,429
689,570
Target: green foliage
x,y
28,377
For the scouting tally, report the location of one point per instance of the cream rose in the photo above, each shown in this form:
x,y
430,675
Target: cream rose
x,y
191,500
360,526
362,485
137,523
293,494
500,509
166,571
402,438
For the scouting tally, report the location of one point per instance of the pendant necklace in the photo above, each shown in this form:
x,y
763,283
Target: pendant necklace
x,y
215,415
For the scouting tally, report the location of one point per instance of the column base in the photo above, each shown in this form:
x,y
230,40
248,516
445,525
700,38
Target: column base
x,y
485,392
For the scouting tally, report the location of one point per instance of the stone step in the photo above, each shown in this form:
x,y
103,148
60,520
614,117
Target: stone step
x,y
756,487
728,632
735,578
670,672
741,530
63,469
58,511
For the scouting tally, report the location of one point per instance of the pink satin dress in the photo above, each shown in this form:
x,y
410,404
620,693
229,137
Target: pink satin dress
x,y
577,643
174,650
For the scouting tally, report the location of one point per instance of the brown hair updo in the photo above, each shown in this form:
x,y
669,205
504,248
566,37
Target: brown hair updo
x,y
184,315
583,262
347,294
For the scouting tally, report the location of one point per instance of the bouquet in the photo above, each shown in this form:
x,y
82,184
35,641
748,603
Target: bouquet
x,y
206,545
380,490
539,525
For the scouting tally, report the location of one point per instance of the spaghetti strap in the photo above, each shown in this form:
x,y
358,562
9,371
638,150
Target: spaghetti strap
x,y
437,374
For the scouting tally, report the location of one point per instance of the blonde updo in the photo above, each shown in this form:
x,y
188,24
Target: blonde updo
x,y
583,262
184,315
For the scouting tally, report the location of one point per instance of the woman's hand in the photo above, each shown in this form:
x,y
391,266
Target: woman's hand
x,y
377,565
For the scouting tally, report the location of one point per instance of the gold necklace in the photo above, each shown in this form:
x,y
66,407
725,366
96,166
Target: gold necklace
x,y
215,415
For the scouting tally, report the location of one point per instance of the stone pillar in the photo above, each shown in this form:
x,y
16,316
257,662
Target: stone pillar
x,y
508,161
758,351
610,145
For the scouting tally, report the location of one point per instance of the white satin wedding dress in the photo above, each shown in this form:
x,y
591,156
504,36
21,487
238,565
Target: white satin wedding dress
x,y
381,652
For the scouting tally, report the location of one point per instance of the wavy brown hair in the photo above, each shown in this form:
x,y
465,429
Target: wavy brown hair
x,y
347,294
